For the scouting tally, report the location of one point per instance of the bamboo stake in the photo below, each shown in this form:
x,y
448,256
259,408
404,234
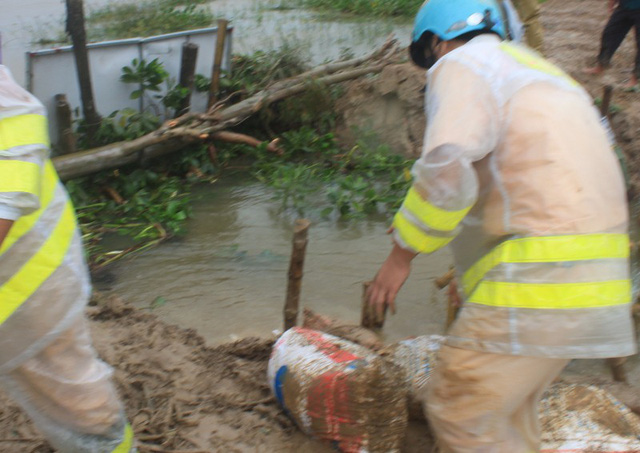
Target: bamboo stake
x,y
67,141
443,281
369,317
607,94
296,265
453,303
217,61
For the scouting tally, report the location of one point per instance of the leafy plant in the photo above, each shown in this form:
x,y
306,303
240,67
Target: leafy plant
x,y
148,75
319,177
151,208
175,95
121,125
253,72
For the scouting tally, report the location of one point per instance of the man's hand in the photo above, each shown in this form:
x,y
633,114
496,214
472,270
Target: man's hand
x,y
389,279
5,226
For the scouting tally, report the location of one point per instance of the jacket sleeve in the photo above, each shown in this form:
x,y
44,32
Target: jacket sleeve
x,y
24,147
462,128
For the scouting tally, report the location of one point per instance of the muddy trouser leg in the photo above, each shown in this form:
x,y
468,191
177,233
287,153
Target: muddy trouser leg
x,y
614,32
478,402
68,393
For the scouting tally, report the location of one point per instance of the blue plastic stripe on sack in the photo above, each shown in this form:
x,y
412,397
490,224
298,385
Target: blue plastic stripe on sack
x,y
279,382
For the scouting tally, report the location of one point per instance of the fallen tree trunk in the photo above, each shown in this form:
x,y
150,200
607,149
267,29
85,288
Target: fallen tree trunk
x,y
201,127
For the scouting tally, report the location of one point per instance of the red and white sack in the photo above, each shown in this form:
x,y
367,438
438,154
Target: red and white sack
x,y
416,356
338,391
581,418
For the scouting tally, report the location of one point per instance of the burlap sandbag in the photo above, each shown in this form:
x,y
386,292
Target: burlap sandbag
x,y
339,392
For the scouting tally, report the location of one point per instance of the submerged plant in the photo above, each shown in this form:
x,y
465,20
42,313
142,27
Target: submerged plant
x,y
320,177
401,8
146,18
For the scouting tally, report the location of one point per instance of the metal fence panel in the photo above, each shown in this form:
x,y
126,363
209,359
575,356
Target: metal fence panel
x,y
53,71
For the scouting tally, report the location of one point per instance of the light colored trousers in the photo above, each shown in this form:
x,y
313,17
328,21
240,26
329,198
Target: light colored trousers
x,y
68,393
479,402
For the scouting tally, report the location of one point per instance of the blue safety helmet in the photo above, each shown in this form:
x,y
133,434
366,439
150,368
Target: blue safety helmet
x,y
450,19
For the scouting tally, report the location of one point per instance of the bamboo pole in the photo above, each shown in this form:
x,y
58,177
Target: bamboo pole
x,y
369,317
217,61
453,303
296,265
443,281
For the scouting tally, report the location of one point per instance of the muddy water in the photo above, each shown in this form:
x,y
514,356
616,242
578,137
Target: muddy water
x,y
267,24
228,277
258,25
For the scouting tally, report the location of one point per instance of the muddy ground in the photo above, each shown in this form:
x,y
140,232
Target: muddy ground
x,y
184,396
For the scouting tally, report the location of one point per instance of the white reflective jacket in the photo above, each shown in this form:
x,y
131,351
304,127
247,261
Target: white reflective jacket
x,y
44,282
518,175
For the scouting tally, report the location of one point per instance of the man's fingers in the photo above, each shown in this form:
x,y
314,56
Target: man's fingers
x,y
392,306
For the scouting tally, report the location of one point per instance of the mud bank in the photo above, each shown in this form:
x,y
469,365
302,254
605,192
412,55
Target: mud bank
x,y
183,396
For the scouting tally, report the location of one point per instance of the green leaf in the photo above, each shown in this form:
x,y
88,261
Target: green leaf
x,y
158,302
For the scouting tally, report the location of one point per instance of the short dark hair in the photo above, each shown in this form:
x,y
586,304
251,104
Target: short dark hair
x,y
466,37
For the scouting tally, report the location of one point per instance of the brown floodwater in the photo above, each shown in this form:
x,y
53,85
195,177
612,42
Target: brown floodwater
x,y
227,278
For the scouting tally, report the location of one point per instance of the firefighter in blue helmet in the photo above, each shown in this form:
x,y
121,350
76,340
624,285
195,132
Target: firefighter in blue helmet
x,y
518,176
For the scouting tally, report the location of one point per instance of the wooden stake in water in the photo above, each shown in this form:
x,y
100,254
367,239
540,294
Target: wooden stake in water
x,y
217,61
370,317
295,273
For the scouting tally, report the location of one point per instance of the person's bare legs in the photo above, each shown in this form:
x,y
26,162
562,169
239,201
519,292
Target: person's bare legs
x,y
594,70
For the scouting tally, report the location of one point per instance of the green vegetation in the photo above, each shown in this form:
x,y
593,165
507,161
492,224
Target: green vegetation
x,y
146,18
379,8
311,175
382,8
146,206
315,177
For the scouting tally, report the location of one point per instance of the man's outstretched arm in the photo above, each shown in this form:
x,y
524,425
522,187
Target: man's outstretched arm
x,y
5,226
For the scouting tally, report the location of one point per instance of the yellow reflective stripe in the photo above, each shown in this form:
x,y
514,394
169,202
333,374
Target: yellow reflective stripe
x,y
430,215
19,176
417,239
34,273
536,62
23,130
24,224
552,295
548,249
127,444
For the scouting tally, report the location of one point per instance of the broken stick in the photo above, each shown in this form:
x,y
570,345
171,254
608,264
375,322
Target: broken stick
x,y
370,318
295,273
